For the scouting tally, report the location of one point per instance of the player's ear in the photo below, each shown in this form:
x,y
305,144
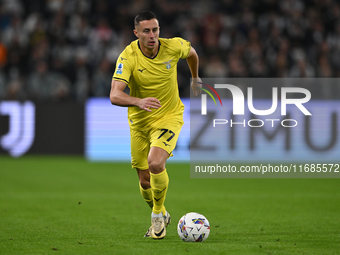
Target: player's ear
x,y
135,32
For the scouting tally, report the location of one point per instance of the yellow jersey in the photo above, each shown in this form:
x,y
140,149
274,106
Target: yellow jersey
x,y
153,77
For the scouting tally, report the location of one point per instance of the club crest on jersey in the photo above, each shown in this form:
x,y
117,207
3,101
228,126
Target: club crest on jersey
x,y
168,65
120,68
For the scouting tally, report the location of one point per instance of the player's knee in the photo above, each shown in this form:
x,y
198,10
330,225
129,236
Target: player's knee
x,y
156,167
145,184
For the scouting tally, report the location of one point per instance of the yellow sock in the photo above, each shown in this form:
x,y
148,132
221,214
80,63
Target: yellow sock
x,y
147,194
159,185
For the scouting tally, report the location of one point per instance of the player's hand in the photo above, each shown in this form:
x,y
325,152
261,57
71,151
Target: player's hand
x,y
149,102
196,83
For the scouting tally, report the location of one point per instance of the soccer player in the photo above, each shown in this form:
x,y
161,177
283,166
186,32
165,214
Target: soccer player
x,y
155,112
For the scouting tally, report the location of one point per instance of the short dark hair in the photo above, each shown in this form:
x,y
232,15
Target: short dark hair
x,y
147,15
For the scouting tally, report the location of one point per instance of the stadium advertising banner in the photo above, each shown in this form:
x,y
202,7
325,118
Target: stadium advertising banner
x,y
41,128
219,131
108,132
257,122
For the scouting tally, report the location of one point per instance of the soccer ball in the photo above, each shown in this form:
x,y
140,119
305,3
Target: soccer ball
x,y
193,227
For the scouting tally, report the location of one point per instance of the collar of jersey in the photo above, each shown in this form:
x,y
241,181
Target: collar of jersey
x,y
159,47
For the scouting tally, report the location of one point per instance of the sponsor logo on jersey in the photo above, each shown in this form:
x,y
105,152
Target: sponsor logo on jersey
x,y
141,70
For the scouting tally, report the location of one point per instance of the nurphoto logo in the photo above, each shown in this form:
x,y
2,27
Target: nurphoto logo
x,y
239,104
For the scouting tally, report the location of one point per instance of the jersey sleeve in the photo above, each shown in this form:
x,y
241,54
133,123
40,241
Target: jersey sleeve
x,y
123,69
184,46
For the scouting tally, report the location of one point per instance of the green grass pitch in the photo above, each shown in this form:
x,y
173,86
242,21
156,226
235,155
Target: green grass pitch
x,y
66,205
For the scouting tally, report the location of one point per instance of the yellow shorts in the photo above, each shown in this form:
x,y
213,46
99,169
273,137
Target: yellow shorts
x,y
165,136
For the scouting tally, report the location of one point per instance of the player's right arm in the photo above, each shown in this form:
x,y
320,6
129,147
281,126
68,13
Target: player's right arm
x,y
120,98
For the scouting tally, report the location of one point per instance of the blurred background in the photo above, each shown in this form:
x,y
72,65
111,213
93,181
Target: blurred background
x,y
57,58
65,50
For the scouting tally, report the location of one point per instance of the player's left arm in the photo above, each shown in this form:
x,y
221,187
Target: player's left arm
x,y
193,62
